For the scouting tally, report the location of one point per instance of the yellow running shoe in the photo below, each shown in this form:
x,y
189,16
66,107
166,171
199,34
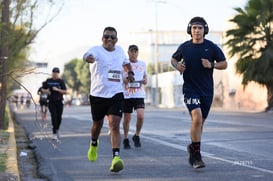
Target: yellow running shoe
x,y
117,164
92,152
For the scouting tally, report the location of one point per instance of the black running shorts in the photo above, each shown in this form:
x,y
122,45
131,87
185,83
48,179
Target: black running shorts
x,y
106,106
133,104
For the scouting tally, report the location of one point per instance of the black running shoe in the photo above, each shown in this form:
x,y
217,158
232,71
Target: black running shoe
x,y
126,143
195,158
197,161
190,151
136,141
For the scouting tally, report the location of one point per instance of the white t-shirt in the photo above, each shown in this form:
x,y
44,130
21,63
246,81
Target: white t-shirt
x,y
136,88
106,71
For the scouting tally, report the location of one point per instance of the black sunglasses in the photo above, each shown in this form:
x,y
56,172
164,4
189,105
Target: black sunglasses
x,y
113,37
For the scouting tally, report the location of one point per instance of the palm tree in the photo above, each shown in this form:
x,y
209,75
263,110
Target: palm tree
x,y
251,40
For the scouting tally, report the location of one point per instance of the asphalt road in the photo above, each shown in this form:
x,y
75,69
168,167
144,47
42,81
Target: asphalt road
x,y
236,146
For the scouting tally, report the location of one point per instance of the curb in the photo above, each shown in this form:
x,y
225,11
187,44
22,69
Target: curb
x,y
12,164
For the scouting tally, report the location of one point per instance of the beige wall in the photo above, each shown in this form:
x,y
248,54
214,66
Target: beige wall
x,y
253,97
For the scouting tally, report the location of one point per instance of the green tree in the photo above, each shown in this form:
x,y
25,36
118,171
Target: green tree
x,y
83,74
251,40
18,30
70,75
27,19
77,75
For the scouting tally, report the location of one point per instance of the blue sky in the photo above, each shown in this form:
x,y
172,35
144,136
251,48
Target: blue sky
x,y
80,23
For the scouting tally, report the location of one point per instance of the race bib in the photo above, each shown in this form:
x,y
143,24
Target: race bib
x,y
134,84
44,96
114,75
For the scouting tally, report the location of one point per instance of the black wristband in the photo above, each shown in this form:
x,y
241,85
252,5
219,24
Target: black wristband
x,y
212,65
131,72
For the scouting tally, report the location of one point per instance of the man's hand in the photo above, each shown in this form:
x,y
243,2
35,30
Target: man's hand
x,y
131,77
47,91
90,59
206,63
55,89
181,67
144,81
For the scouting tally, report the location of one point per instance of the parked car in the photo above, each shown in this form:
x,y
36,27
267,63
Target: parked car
x,y
77,101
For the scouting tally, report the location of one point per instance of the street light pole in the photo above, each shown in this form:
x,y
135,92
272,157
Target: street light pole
x,y
157,92
156,57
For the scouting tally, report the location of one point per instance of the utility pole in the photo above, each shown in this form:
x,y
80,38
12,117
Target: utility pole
x,y
3,58
157,91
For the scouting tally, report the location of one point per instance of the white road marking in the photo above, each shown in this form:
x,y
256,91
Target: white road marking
x,y
206,154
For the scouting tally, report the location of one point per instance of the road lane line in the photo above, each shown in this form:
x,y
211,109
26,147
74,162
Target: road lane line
x,y
206,154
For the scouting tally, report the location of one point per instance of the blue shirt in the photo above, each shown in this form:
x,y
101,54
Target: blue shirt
x,y
196,77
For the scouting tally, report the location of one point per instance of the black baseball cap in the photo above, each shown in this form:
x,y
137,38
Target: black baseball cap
x,y
133,47
56,70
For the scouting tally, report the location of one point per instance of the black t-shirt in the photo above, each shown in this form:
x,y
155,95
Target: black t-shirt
x,y
196,77
43,96
58,83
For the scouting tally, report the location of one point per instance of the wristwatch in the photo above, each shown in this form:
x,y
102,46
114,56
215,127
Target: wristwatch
x,y
212,65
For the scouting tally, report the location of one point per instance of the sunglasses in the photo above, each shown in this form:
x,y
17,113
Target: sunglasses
x,y
113,37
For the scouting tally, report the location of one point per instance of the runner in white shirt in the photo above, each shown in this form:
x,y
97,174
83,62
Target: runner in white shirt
x,y
134,94
107,62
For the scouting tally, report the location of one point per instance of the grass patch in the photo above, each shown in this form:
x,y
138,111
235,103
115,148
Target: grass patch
x,y
4,139
3,160
6,120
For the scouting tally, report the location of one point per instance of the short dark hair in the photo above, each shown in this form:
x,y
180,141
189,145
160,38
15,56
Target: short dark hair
x,y
109,28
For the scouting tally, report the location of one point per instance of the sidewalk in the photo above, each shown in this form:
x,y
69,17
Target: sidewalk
x,y
12,171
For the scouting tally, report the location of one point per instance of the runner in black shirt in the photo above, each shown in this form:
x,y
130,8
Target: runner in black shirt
x,y
43,101
196,59
55,88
